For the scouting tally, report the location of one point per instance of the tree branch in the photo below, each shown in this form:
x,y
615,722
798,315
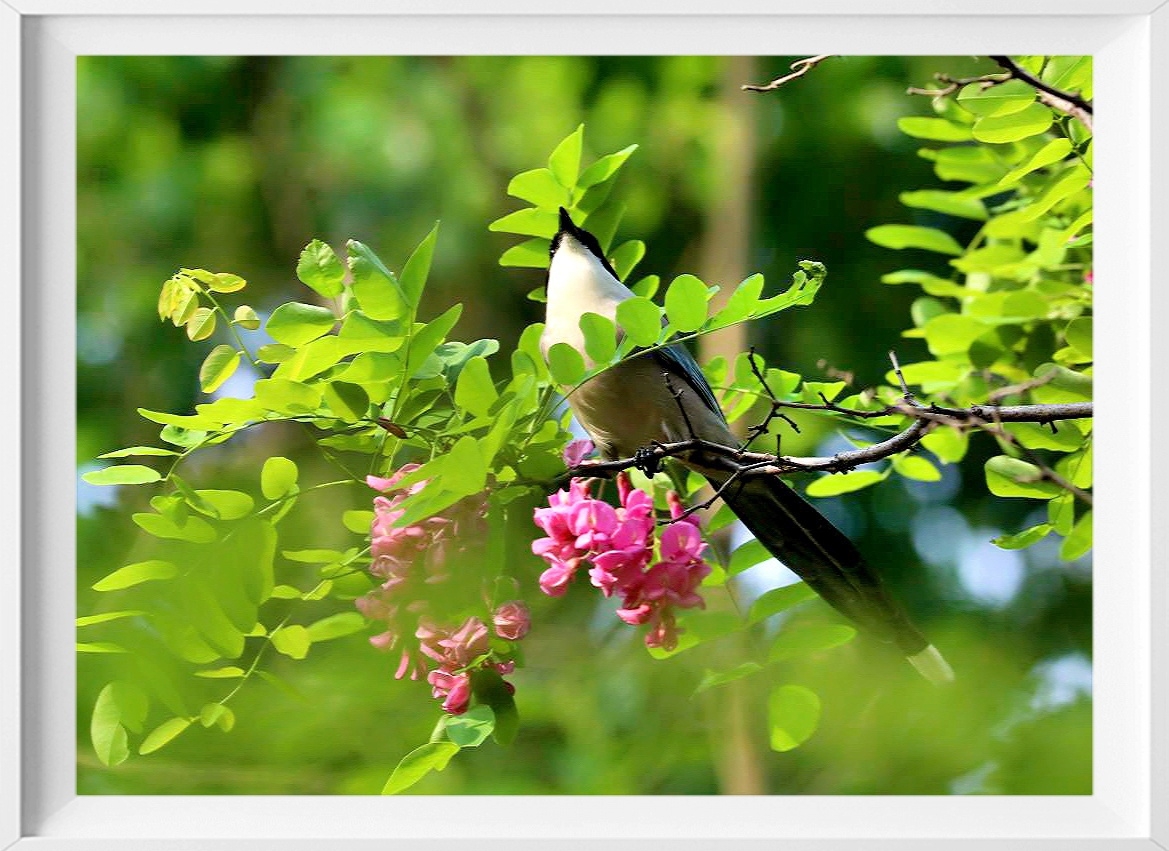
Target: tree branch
x,y
799,68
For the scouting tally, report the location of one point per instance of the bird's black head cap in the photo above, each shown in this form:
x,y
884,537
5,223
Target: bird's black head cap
x,y
580,235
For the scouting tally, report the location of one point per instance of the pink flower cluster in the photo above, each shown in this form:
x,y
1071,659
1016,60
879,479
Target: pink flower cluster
x,y
618,545
407,559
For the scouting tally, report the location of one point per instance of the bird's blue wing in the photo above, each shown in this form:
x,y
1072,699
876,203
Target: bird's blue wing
x,y
677,359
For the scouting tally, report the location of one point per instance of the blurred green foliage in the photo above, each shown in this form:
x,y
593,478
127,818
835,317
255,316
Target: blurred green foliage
x,y
235,163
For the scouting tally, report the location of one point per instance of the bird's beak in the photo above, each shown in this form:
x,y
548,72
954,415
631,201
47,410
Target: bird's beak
x,y
566,224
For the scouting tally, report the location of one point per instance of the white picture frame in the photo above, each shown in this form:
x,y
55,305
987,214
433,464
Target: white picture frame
x,y
39,40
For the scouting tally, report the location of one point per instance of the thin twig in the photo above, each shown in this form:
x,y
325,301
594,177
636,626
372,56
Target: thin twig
x,y
1030,79
799,68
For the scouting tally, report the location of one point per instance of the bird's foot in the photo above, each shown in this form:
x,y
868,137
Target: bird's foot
x,y
647,459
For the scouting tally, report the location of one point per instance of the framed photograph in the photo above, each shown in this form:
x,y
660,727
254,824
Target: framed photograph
x,y
433,379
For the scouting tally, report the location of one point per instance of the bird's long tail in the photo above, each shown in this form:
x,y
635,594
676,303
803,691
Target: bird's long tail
x,y
823,556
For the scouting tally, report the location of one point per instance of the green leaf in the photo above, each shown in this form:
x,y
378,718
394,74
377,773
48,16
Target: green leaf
x,y
1076,181
950,203
122,474
215,713
600,337
647,286
278,477
287,397
357,520
565,364
971,164
1065,438
292,640
776,600
466,469
940,129
1013,477
626,257
246,317
531,254
949,444
134,574
432,756
742,303
274,353
225,282
229,672
225,504
686,303
295,324
539,187
320,269
913,236
952,334
192,529
472,728
138,450
474,390
218,367
1079,540
604,168
809,639
641,320
100,647
106,731
348,402
201,325
1051,153
1022,540
916,467
1078,333
163,733
374,286
834,484
793,715
528,222
335,626
1029,121
717,678
1003,99
104,617
417,268
747,556
565,160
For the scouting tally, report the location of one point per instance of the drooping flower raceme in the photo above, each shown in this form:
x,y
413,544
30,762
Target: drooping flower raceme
x,y
618,545
411,559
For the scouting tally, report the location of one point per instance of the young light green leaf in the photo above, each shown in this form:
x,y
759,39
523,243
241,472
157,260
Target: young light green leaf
x,y
106,731
278,477
225,282
604,168
539,187
218,367
99,647
91,620
530,254
1079,540
134,574
686,303
122,474
641,320
1013,477
472,728
1051,153
747,556
948,444
295,324
1029,121
320,269
417,268
164,733
916,467
834,484
566,364
432,756
229,672
201,325
939,129
600,337
1003,99
292,640
246,317
950,203
793,714
335,626
529,221
913,236
717,678
626,256
776,600
347,401
565,160
357,520
474,390
224,504
647,286
138,450
286,396
374,286
1078,333
1022,540
809,639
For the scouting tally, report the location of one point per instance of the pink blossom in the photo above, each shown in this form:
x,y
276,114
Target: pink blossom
x,y
576,452
554,581
512,620
412,663
454,688
454,649
384,640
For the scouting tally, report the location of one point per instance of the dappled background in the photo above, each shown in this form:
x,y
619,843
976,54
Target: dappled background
x,y
234,164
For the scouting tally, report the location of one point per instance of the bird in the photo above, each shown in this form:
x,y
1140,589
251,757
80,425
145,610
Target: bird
x,y
661,396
